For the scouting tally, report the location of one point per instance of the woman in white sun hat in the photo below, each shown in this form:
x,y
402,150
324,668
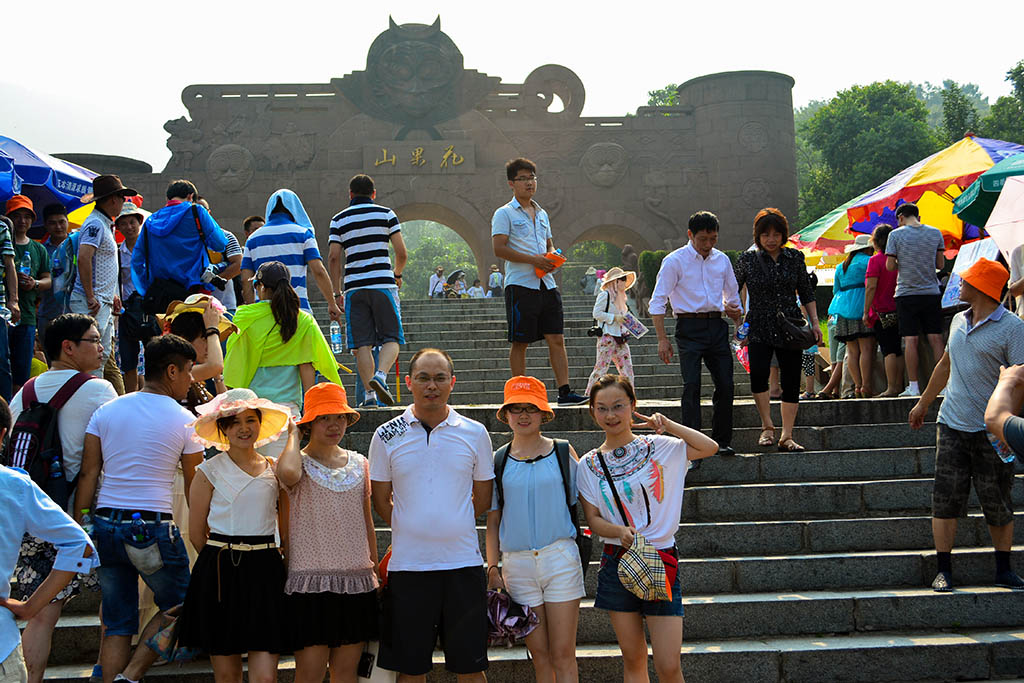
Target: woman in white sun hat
x,y
610,311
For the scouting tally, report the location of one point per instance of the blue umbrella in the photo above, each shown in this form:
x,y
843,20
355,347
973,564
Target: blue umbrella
x,y
42,178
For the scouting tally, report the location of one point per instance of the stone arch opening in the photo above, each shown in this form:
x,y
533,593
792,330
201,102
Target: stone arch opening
x,y
435,237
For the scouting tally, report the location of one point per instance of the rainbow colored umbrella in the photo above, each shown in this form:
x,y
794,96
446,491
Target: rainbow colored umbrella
x,y
828,235
937,181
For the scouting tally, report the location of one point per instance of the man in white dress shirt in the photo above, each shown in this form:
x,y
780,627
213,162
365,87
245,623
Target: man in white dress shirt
x,y
698,282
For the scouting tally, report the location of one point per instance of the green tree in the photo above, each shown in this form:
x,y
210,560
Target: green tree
x,y
809,162
959,115
430,245
663,97
1006,119
931,95
865,134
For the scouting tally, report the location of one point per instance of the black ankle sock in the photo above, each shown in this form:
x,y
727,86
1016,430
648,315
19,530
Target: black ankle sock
x,y
1002,561
563,390
946,562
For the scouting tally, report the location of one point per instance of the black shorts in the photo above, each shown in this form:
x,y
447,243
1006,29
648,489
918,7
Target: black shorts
x,y
963,457
372,318
451,603
889,340
919,314
532,313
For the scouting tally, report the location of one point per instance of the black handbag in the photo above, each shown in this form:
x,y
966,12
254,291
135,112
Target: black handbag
x,y
794,332
135,322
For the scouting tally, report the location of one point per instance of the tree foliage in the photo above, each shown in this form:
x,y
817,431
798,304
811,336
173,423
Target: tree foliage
x,y
959,115
430,245
663,97
1006,119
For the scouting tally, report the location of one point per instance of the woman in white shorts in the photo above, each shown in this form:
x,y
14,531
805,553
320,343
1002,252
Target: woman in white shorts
x,y
531,527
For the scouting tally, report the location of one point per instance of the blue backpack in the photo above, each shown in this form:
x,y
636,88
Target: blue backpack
x,y
64,269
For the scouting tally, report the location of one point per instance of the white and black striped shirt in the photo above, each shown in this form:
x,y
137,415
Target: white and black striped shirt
x,y
363,230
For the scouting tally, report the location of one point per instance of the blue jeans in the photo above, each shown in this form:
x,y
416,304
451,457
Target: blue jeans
x,y
119,576
22,342
5,363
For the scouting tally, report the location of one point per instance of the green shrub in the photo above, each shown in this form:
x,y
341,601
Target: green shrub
x,y
649,263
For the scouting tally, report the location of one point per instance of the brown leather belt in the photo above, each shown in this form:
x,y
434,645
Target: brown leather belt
x,y
705,314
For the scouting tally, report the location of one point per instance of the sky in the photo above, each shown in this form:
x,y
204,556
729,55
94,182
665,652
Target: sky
x,y
81,80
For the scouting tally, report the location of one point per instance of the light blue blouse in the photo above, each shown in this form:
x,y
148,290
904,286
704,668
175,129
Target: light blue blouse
x,y
848,288
535,514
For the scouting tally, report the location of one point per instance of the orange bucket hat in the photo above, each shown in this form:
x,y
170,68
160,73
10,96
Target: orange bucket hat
x,y
524,389
20,201
326,398
988,277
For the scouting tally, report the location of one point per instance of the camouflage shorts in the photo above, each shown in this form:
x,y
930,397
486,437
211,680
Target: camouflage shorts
x,y
962,457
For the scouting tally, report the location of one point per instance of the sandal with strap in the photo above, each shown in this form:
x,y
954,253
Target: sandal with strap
x,y
790,446
767,437
808,396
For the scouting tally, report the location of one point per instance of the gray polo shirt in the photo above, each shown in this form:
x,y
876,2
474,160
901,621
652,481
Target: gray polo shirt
x,y
914,248
526,235
975,353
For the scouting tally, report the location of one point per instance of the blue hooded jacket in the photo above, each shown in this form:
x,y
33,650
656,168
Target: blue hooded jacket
x,y
178,253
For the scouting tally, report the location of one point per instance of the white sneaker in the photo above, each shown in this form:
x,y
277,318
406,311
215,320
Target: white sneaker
x,y
907,393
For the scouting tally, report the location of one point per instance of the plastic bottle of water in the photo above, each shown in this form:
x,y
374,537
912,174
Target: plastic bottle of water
x,y
87,524
25,264
742,331
138,530
337,344
56,470
1004,452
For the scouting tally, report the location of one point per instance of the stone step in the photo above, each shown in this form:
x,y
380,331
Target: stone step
x,y
842,437
920,655
826,413
768,614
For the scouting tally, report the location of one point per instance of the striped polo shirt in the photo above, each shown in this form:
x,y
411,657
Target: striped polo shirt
x,y
363,230
284,241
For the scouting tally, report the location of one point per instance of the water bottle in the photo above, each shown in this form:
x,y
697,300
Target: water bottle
x,y
138,530
25,264
337,344
1004,452
87,521
5,313
742,331
56,469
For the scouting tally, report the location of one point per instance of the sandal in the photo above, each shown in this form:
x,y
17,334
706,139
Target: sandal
x,y
767,437
824,395
790,446
808,396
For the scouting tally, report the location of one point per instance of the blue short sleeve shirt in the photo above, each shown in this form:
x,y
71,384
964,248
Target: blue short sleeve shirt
x,y
525,235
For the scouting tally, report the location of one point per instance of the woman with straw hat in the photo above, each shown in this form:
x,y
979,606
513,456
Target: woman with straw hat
x,y
532,527
610,310
235,599
848,307
331,590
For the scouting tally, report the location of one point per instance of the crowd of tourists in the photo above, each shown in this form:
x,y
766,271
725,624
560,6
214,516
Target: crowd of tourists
x,y
188,434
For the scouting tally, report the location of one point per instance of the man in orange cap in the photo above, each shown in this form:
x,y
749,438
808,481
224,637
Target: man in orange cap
x,y
981,340
33,277
8,303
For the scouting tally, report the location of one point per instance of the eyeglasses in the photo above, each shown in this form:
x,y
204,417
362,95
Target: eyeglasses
x,y
525,179
427,379
527,408
91,340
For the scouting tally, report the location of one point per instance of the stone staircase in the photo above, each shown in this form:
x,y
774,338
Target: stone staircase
x,y
794,567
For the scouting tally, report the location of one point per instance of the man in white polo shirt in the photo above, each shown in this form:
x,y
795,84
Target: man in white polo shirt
x,y
431,471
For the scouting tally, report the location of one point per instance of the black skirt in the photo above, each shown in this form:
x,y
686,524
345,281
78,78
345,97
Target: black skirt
x,y
331,619
241,609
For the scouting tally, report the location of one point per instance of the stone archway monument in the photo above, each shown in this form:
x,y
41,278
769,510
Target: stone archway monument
x,y
435,136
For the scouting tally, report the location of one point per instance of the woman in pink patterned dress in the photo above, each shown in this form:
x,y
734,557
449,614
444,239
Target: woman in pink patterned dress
x,y
331,590
610,311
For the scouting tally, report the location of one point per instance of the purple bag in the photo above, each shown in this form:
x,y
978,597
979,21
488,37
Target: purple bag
x,y
508,621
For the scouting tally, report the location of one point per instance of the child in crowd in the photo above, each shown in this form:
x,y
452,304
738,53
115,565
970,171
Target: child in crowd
x,y
533,527
331,590
633,485
610,310
235,599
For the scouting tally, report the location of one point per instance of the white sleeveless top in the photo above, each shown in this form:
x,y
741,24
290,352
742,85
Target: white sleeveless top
x,y
242,505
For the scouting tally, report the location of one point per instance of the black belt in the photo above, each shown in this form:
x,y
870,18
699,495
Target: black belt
x,y
704,314
122,515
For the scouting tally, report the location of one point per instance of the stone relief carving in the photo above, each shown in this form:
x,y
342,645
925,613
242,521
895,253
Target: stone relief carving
x,y
604,163
231,167
549,80
183,143
756,193
753,137
289,150
656,196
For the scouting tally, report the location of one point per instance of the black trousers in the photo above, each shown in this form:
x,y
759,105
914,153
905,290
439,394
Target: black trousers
x,y
790,370
707,340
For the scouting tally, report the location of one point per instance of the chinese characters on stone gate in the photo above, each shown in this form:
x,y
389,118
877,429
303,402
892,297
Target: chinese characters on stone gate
x,y
419,157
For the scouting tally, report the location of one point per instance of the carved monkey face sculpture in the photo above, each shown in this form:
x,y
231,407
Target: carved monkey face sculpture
x,y
413,67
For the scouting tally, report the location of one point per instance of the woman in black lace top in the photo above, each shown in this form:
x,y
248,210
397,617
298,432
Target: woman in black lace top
x,y
773,277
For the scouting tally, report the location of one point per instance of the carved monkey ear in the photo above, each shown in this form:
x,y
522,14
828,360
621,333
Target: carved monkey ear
x,y
392,25
437,23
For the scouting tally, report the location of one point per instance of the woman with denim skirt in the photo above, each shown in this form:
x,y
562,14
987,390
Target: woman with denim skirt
x,y
647,473
531,527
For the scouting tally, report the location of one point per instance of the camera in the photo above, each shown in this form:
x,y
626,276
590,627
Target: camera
x,y
211,277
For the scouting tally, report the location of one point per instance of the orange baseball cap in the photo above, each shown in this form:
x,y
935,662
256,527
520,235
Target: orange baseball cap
x,y
988,277
326,398
524,389
19,201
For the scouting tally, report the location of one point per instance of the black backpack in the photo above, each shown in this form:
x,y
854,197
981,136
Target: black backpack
x,y
34,441
583,542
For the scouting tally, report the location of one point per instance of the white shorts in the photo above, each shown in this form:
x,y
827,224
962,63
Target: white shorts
x,y
551,574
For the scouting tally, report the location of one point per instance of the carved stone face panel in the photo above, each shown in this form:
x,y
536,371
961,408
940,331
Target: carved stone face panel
x,y
231,167
757,193
605,163
753,137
